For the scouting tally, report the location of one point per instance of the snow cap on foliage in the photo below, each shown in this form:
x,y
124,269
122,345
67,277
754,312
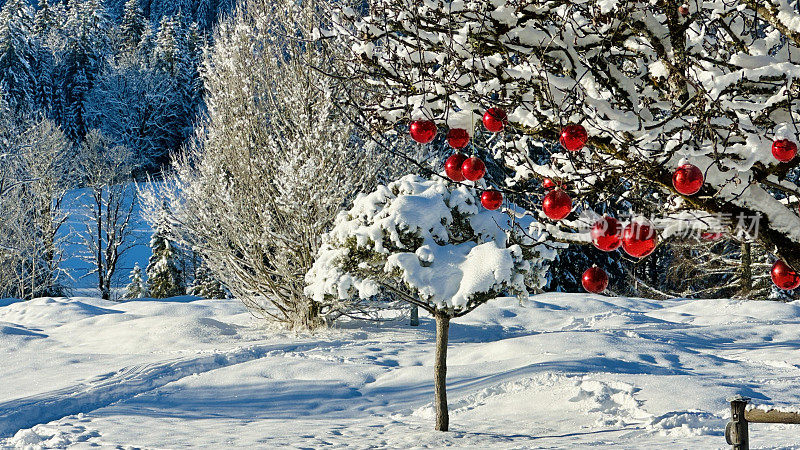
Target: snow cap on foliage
x,y
432,240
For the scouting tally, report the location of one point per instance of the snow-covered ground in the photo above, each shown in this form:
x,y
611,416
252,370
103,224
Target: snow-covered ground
x,y
565,370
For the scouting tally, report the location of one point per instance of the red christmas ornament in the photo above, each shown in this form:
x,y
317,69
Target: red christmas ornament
x,y
573,137
491,199
784,276
684,10
607,234
784,150
639,239
710,236
473,169
594,280
687,179
452,167
422,131
495,119
548,184
557,204
457,138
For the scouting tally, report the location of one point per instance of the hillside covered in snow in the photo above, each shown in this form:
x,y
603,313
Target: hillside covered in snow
x,y
563,370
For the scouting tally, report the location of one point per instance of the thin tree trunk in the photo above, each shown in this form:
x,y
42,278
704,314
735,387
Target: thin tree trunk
x,y
104,292
440,372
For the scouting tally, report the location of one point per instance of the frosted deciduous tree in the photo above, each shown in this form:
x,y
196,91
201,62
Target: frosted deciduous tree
x,y
46,160
106,171
272,165
652,83
432,244
135,106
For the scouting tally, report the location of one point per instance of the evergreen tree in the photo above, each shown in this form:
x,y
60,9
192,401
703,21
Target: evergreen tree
x,y
45,20
83,55
205,285
163,276
136,288
18,55
170,50
133,27
173,57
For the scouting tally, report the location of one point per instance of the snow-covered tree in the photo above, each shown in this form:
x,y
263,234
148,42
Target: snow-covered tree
x,y
652,83
19,50
46,160
105,170
170,50
432,244
82,53
174,60
133,26
205,285
164,279
136,288
272,165
35,174
135,106
45,20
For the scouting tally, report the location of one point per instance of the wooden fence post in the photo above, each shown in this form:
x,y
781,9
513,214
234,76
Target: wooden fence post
x,y
414,316
736,433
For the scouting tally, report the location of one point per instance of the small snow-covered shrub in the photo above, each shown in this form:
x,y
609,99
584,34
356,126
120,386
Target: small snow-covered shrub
x,y
136,288
432,244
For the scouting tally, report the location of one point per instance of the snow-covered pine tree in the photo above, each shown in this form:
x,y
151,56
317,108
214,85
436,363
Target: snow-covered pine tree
x,y
164,279
205,285
83,51
136,288
432,244
650,84
45,20
19,50
175,54
132,27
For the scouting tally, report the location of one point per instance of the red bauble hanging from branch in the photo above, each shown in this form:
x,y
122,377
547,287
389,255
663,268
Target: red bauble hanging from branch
x,y
557,204
607,234
491,199
573,137
687,179
473,169
422,131
784,150
458,138
784,276
495,120
594,280
548,184
452,167
711,235
639,239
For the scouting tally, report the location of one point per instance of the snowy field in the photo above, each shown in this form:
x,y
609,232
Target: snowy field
x,y
565,370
